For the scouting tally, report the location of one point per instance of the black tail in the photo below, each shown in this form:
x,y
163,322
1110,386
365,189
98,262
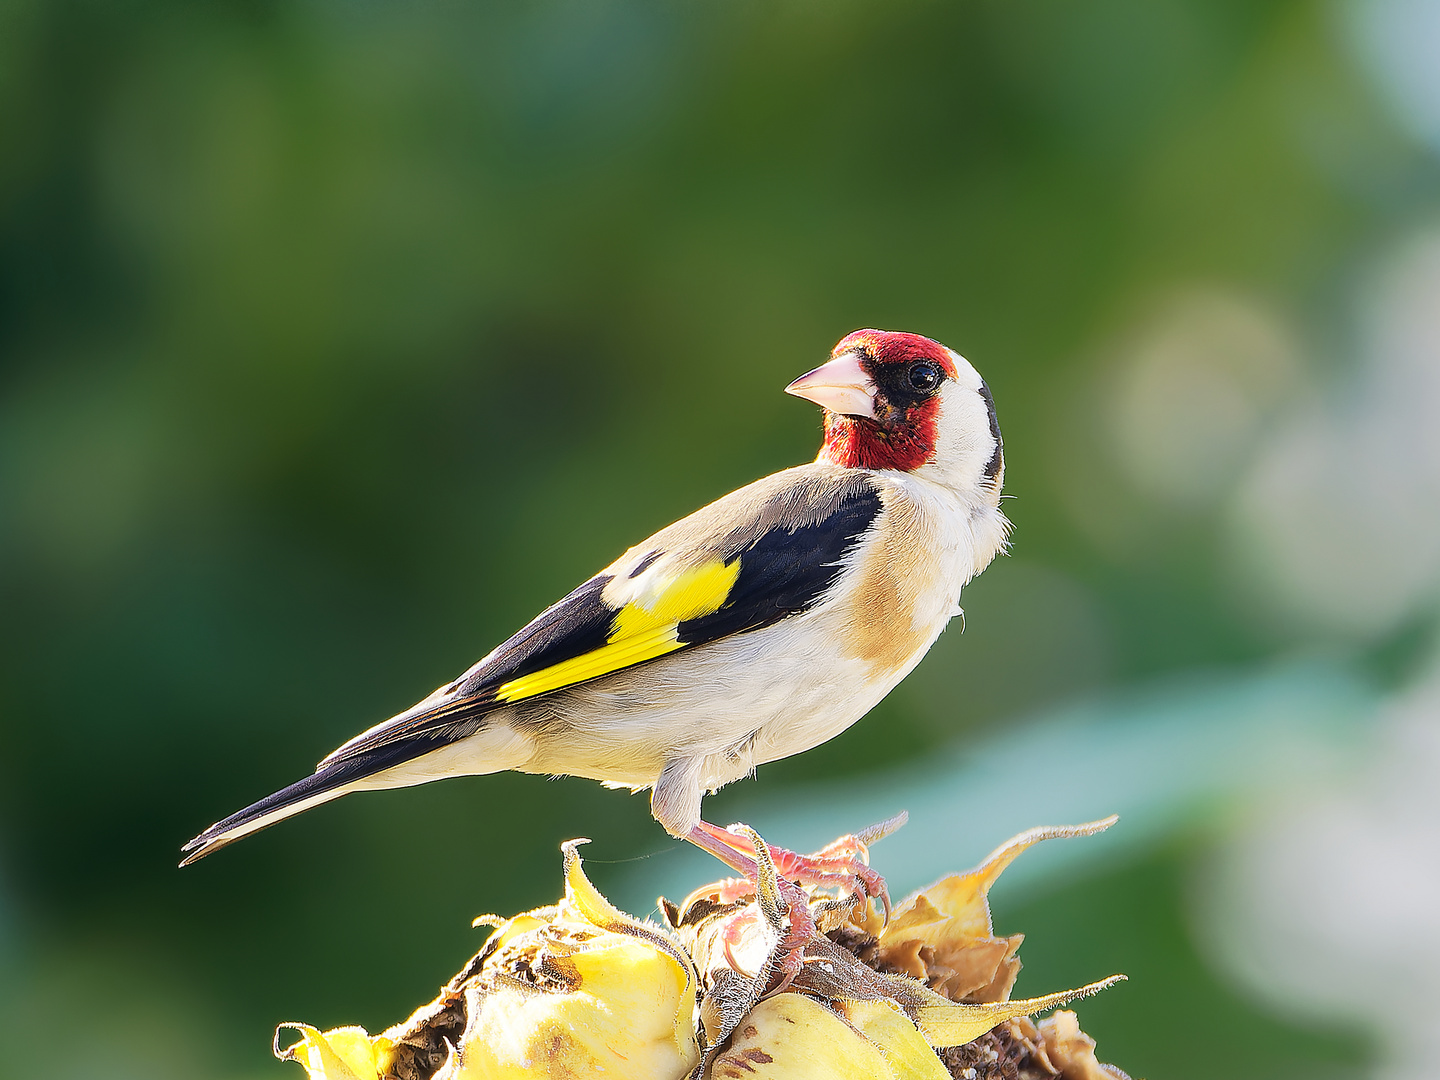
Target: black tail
x,y
328,782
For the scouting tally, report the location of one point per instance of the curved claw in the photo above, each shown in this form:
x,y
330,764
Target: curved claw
x,y
843,865
876,887
784,983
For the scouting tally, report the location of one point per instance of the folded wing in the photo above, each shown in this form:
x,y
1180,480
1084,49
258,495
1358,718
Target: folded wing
x,y
743,563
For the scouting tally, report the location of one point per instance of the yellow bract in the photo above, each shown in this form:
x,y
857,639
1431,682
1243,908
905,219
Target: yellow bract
x,y
906,1051
619,1020
948,1023
345,1053
579,989
794,1036
644,629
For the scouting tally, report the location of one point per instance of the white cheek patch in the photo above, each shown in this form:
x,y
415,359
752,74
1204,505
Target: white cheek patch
x,y
967,451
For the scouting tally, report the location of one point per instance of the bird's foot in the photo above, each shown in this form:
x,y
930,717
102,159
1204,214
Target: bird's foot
x,y
843,865
787,910
778,879
780,901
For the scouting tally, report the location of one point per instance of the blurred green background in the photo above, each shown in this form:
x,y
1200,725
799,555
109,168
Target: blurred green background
x,y
338,339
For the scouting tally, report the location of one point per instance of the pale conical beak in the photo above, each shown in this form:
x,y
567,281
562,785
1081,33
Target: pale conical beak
x,y
840,386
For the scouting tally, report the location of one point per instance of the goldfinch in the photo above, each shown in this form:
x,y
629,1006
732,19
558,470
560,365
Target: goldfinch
x,y
756,628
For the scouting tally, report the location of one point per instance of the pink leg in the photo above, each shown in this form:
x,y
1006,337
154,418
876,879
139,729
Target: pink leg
x,y
841,865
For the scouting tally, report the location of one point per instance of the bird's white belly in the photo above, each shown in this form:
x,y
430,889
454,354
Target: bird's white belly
x,y
735,704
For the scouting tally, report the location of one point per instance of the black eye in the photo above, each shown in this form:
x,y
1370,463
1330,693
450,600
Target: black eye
x,y
924,377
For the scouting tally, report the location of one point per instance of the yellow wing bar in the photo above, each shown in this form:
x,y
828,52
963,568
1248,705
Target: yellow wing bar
x,y
643,630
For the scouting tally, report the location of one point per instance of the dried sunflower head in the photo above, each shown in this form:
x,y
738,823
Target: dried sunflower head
x,y
581,988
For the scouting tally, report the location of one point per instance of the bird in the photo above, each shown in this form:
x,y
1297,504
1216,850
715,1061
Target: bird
x,y
758,627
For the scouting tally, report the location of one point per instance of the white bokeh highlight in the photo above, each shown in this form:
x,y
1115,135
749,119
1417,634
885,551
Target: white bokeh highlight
x,y
1198,381
1329,906
1337,522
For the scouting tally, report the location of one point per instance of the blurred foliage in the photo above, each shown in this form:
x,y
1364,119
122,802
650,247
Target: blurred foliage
x,y
337,339
1133,920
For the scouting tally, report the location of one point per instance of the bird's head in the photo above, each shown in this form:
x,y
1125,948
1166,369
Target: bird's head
x,y
904,402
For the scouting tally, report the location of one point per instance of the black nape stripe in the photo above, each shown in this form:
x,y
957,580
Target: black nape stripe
x,y
993,465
